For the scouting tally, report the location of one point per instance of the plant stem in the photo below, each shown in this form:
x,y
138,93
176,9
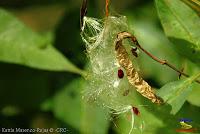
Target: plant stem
x,y
163,62
83,12
107,7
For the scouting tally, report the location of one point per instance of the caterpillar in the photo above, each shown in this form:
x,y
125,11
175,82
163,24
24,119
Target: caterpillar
x,y
133,76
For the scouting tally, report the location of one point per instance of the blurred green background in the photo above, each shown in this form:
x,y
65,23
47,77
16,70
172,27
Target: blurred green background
x,y
34,98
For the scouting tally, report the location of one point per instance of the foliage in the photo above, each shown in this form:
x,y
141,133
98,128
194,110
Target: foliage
x,y
28,48
175,93
181,25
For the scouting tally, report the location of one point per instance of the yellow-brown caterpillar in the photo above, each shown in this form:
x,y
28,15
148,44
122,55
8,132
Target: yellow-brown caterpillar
x,y
133,77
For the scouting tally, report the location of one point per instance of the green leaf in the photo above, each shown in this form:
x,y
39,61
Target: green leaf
x,y
175,93
194,4
20,45
194,98
94,119
181,25
68,106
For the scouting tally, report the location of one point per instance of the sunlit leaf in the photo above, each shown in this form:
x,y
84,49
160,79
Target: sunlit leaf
x,y
181,25
20,45
193,98
194,4
175,93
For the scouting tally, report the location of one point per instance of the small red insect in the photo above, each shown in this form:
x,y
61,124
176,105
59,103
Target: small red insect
x,y
120,73
136,111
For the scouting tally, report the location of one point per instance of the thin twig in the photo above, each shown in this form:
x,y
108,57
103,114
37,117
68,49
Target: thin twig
x,y
107,7
163,62
83,12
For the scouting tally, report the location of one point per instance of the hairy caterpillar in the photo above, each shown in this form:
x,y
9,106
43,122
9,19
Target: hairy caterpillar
x,y
133,77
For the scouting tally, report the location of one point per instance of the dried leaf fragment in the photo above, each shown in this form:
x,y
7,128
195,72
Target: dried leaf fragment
x,y
133,77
